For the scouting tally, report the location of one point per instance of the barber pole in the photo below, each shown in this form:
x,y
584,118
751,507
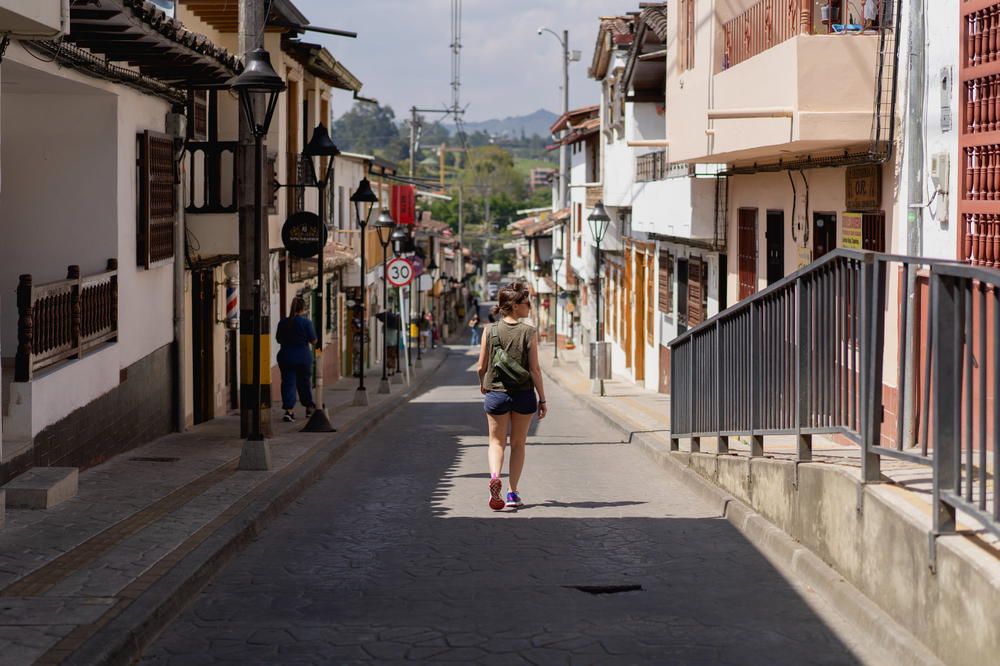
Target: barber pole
x,y
232,305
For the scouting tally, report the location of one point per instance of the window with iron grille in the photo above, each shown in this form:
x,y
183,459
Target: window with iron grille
x,y
666,275
873,231
157,198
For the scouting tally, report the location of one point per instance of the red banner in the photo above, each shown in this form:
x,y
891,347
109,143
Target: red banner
x,y
404,203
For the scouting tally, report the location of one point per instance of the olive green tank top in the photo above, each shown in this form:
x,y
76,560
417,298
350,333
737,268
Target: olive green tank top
x,y
516,340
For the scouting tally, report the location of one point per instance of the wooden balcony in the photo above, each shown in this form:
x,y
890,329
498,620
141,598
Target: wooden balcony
x,y
65,319
651,166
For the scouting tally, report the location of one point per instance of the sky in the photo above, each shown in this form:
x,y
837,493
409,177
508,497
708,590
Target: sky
x,y
402,53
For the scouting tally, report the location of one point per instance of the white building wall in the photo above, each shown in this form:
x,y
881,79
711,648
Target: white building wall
x,y
942,113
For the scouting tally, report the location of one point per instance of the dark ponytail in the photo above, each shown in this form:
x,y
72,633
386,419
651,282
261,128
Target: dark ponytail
x,y
298,306
511,295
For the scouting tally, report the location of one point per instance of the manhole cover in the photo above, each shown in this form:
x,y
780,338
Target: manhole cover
x,y
164,460
605,589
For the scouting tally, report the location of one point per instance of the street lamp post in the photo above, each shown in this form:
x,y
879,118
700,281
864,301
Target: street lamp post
x,y
321,145
385,225
401,244
364,201
598,221
432,270
258,80
567,57
557,262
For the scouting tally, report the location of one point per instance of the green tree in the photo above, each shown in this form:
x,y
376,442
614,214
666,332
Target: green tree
x,y
367,128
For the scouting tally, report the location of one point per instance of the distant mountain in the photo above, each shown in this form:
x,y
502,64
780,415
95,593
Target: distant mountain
x,y
538,123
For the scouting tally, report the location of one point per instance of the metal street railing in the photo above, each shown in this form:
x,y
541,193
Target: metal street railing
x,y
809,356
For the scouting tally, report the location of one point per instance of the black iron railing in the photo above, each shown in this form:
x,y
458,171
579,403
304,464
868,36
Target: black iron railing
x,y
810,355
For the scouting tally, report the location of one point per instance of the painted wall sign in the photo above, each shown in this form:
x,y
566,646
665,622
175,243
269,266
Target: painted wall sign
x,y
303,234
863,189
850,230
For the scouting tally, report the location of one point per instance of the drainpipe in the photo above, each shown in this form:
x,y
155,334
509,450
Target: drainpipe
x,y
916,90
177,128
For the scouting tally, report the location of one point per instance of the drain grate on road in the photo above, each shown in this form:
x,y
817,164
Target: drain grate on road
x,y
153,459
605,589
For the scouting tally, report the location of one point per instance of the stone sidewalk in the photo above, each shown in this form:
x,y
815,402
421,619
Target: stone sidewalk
x,y
91,579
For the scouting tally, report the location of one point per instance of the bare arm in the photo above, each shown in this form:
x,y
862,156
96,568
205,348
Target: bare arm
x,y
536,377
483,360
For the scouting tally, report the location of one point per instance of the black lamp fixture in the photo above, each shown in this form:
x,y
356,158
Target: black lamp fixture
x,y
400,240
364,201
557,262
257,79
384,226
432,267
321,145
598,220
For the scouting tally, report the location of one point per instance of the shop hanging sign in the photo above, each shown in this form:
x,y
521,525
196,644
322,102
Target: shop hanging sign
x,y
303,234
850,230
863,187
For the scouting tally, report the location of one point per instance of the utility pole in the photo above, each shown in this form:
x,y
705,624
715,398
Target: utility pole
x,y
564,149
916,94
251,33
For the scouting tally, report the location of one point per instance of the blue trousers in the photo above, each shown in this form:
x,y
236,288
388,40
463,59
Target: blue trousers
x,y
296,376
477,334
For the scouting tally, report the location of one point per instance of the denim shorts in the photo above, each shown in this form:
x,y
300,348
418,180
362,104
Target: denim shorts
x,y
500,402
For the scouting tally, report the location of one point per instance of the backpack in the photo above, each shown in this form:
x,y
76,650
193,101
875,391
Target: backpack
x,y
511,373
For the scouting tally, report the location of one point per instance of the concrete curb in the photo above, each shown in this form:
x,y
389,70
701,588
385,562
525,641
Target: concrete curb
x,y
898,644
123,638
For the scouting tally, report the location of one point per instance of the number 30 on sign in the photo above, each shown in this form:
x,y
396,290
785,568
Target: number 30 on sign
x,y
399,272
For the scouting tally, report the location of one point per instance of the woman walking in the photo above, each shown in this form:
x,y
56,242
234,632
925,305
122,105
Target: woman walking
x,y
476,329
296,336
509,378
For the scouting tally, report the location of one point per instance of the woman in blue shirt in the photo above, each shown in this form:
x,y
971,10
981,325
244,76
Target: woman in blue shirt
x,y
296,336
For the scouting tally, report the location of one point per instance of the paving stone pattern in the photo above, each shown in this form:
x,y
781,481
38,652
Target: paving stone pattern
x,y
394,556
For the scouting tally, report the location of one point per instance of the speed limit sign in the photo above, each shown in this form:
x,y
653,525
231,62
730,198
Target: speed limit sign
x,y
399,272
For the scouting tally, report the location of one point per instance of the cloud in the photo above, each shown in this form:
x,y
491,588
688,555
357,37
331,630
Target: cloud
x,y
402,53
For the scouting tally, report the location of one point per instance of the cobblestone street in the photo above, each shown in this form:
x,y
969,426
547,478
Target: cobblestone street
x,y
394,556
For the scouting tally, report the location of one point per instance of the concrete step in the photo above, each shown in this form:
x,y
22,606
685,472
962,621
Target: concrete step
x,y
42,487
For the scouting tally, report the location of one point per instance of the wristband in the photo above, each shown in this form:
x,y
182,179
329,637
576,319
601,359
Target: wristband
x,y
541,402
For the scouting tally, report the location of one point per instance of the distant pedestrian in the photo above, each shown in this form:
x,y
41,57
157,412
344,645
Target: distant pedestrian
x,y
476,327
296,336
509,378
424,327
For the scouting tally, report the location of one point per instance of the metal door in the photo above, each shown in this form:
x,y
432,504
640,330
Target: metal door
x,y
775,237
747,251
824,233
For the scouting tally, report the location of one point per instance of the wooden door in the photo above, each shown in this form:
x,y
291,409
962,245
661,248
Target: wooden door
x,y
629,307
747,251
639,334
202,343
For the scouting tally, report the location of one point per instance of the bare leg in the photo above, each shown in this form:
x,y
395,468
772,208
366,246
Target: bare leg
x,y
519,424
499,424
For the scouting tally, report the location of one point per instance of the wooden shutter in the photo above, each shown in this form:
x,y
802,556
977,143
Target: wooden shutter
x,y
696,290
157,199
747,251
666,274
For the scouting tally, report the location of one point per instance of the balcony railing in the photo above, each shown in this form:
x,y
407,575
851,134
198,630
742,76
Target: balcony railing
x,y
651,166
211,177
771,22
63,320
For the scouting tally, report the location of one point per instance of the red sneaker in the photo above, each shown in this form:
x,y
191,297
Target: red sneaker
x,y
496,502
